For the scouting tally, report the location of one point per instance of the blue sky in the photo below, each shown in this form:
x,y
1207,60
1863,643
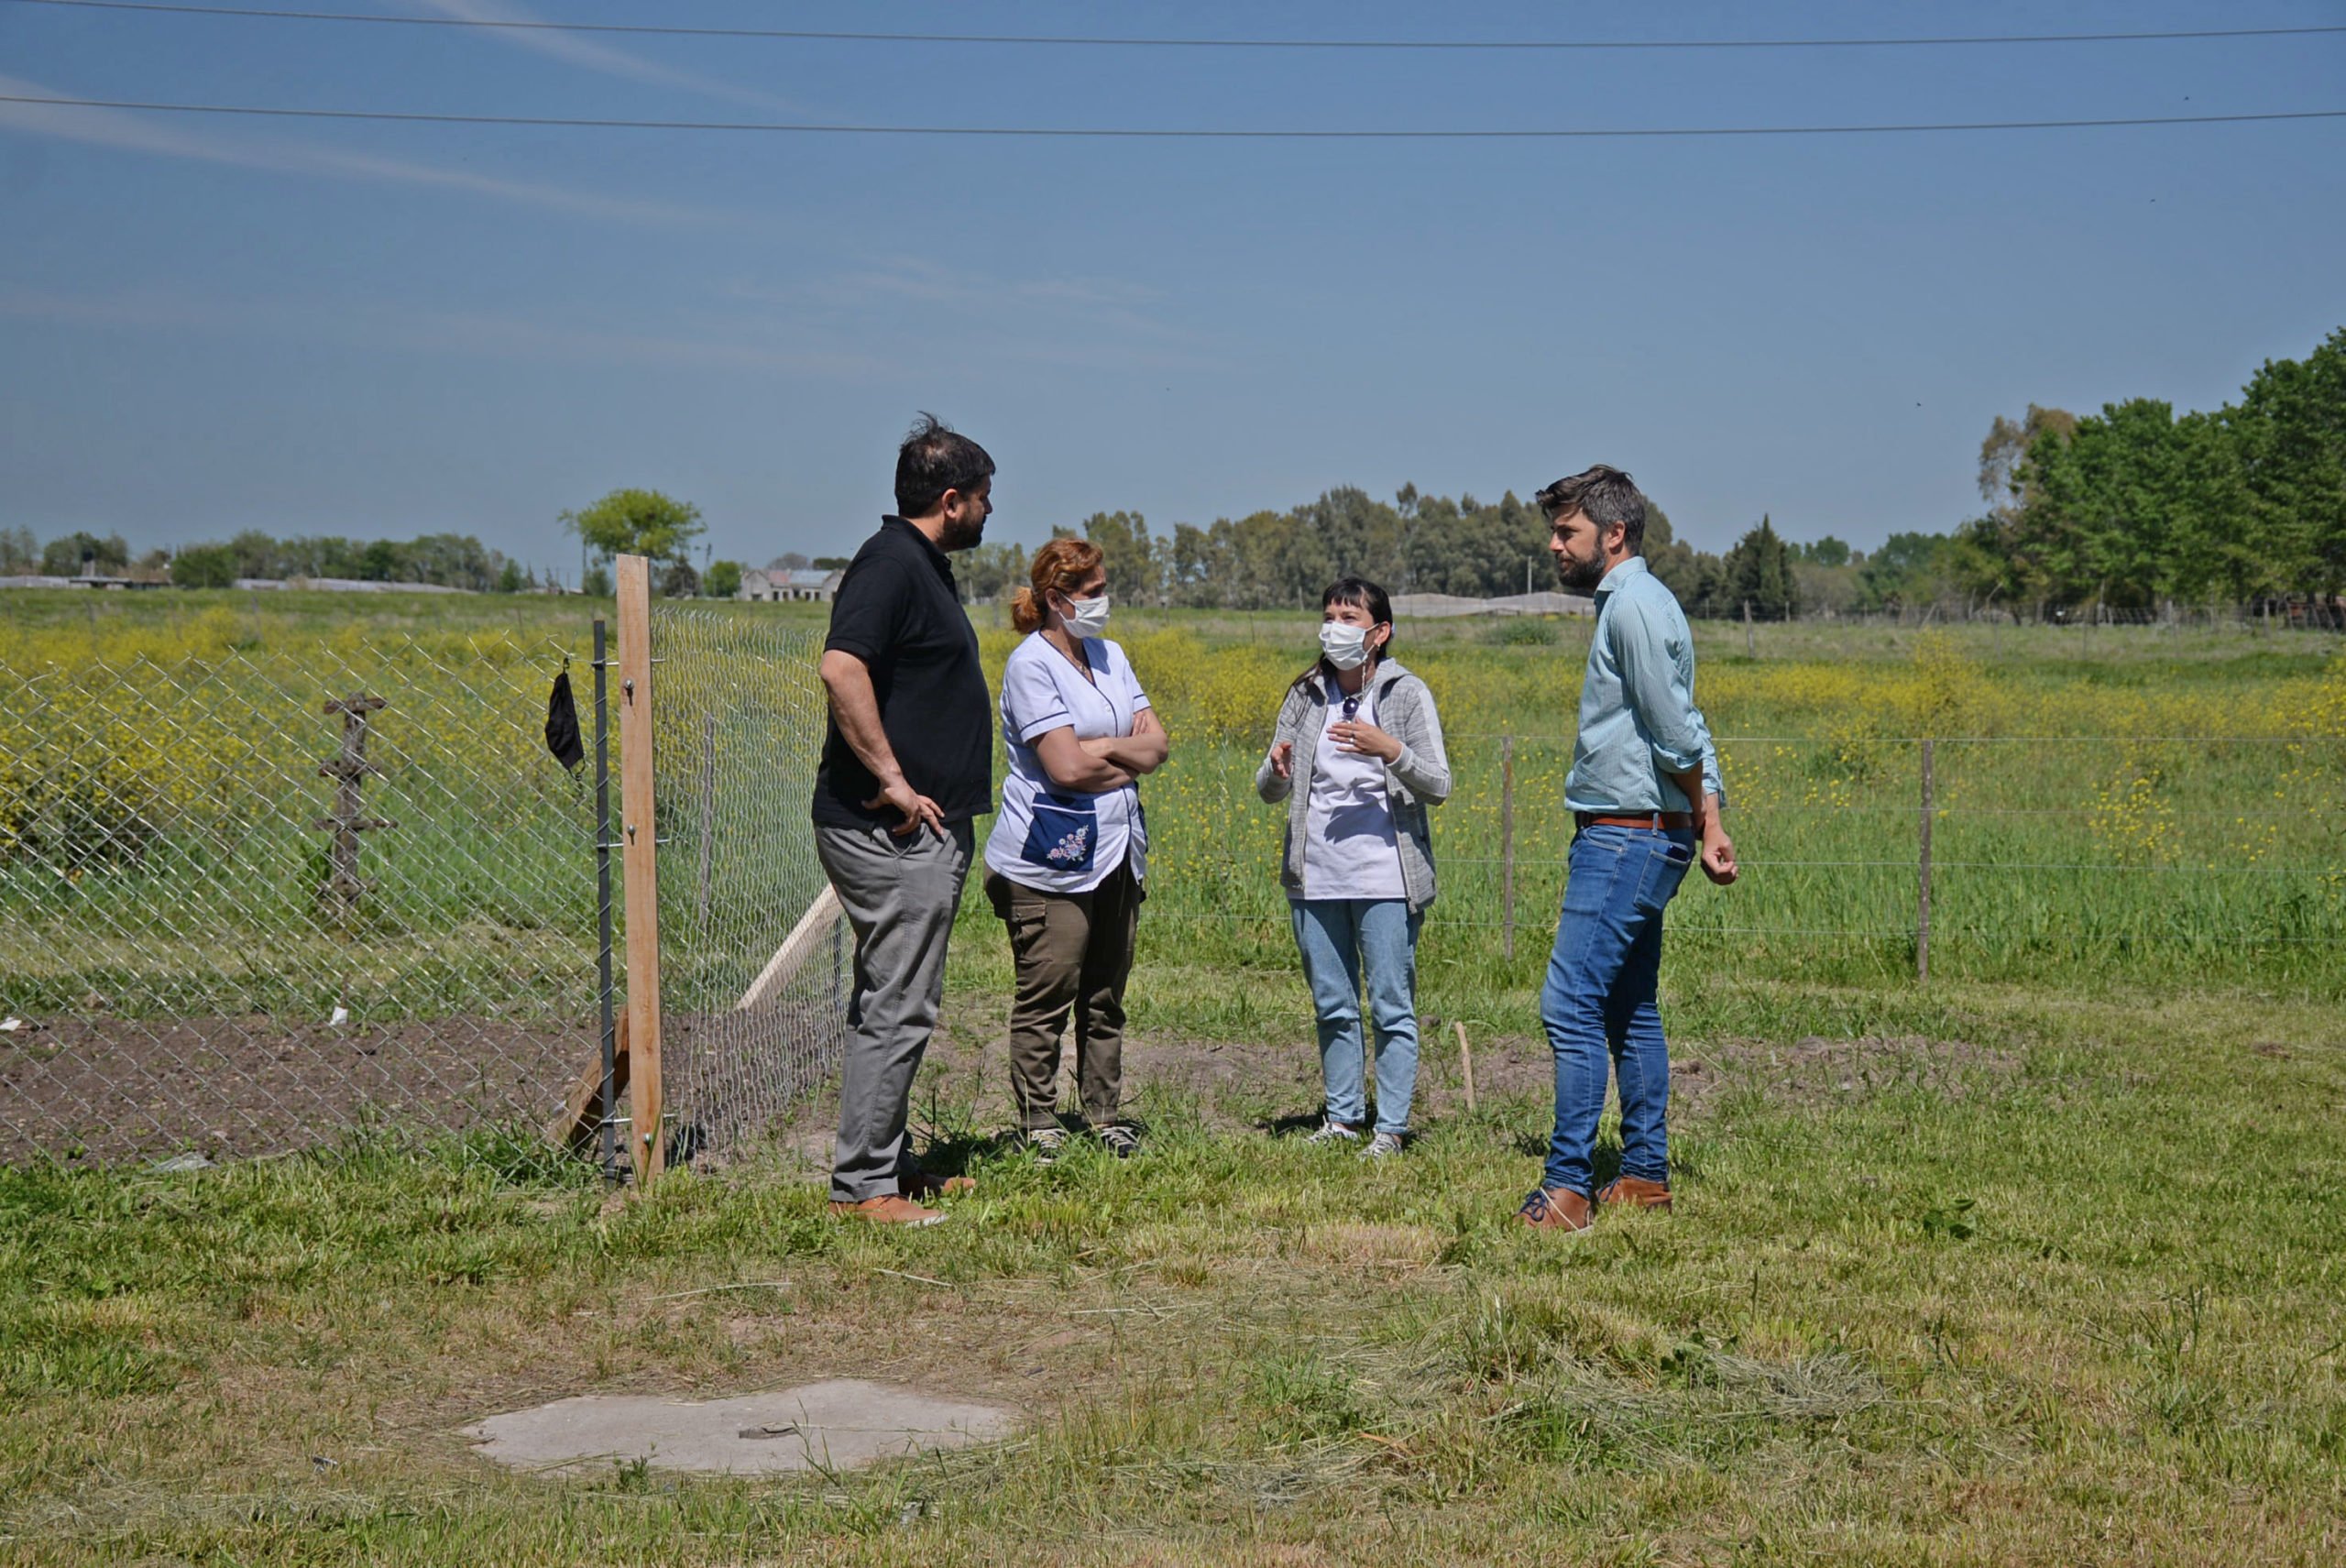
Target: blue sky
x,y
309,326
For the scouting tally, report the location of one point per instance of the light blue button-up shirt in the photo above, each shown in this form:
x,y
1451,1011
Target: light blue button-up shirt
x,y
1638,720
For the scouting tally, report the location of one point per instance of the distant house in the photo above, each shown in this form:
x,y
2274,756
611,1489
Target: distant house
x,y
783,585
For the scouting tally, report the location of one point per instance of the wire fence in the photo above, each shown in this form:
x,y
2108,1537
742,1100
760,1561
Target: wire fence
x,y
2012,856
738,723
250,903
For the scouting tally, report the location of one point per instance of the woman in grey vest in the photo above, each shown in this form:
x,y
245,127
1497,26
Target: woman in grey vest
x,y
1358,758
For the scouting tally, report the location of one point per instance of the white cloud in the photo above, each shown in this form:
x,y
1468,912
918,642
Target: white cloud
x,y
127,131
588,55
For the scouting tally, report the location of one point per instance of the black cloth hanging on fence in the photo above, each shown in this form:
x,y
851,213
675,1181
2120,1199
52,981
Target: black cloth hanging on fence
x,y
562,724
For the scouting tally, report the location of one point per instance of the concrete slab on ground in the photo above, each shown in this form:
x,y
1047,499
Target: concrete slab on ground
x,y
833,1425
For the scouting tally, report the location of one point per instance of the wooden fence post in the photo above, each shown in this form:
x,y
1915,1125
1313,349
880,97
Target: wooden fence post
x,y
1923,882
1506,842
639,861
341,890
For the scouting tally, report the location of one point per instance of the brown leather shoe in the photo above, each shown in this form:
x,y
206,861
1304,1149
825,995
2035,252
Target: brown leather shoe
x,y
918,1183
1635,1192
886,1210
1555,1209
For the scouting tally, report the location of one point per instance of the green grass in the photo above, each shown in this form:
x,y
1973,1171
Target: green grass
x,y
2037,1263
2110,806
2033,1281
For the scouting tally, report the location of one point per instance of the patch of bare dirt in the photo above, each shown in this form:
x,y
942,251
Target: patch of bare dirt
x,y
108,1088
1814,1071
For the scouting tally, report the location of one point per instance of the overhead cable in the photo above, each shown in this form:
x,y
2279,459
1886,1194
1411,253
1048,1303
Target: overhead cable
x,y
663,30
1167,133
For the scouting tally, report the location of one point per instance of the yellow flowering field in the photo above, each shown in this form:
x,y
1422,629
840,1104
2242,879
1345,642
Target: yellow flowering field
x,y
2158,809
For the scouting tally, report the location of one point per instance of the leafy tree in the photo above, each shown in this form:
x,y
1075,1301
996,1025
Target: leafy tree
x,y
65,557
383,562
723,579
1128,555
1910,569
597,583
2003,453
1825,552
990,571
19,550
509,578
678,581
830,563
636,522
204,567
1759,573
2290,429
259,555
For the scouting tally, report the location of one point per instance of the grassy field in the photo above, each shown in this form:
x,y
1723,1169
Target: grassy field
x,y
1981,1277
2039,1262
2109,804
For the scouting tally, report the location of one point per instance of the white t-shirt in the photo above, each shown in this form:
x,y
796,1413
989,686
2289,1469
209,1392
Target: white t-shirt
x,y
1350,847
1046,836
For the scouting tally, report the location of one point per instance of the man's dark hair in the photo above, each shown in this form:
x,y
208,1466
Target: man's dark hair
x,y
1604,495
934,460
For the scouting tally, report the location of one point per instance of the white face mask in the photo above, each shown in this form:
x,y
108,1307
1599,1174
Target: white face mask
x,y
1345,646
1086,618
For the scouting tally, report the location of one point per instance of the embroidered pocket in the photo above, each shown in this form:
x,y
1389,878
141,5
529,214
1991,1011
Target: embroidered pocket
x,y
1062,834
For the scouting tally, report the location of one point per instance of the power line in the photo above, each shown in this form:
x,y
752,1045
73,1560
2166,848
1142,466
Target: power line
x,y
555,122
1085,41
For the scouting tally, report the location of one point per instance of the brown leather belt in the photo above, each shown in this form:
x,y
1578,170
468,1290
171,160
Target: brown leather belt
x,y
1651,820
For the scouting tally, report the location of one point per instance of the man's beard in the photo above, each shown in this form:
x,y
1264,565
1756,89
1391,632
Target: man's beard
x,y
961,534
1579,577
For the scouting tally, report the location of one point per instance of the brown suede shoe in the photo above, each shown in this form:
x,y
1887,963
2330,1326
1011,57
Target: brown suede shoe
x,y
1554,1209
886,1210
1635,1192
918,1183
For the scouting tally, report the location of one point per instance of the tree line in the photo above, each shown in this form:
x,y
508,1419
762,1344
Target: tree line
x,y
2125,512
444,560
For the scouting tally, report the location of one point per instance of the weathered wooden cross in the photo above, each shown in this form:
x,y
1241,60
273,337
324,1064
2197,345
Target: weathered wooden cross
x,y
341,890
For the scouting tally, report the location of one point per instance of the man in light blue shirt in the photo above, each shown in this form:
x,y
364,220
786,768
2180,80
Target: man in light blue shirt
x,y
1645,796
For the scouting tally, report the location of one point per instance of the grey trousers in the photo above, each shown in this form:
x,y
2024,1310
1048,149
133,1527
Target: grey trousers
x,y
900,895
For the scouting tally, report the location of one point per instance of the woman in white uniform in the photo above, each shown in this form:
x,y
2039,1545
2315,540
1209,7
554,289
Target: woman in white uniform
x,y
1069,853
1358,757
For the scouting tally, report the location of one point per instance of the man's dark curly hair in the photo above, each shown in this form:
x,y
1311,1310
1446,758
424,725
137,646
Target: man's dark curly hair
x,y
1604,495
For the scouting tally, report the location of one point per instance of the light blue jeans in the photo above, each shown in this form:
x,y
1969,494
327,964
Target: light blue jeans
x,y
1339,938
1598,1004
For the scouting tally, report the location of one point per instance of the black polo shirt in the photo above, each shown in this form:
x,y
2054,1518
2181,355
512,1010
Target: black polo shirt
x,y
897,609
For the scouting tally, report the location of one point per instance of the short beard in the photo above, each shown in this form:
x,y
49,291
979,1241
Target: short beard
x,y
1579,577
961,535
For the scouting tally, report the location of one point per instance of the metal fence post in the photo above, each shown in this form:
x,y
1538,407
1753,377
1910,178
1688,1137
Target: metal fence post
x,y
639,858
708,809
607,1110
1507,839
1923,881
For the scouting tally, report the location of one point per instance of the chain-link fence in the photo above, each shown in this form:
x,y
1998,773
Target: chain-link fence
x,y
250,901
752,952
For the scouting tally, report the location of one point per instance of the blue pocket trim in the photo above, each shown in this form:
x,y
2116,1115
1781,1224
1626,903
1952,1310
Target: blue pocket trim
x,y
1061,834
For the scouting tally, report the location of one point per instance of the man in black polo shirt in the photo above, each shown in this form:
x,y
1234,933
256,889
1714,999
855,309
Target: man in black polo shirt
x,y
907,761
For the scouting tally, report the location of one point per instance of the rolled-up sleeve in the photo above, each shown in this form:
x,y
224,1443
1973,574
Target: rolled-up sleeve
x,y
1655,688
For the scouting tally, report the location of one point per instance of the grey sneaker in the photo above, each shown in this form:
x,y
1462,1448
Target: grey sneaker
x,y
1119,1138
1385,1146
1335,1133
1044,1143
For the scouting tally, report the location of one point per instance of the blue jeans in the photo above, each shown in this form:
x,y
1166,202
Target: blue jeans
x,y
1599,1000
1335,936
